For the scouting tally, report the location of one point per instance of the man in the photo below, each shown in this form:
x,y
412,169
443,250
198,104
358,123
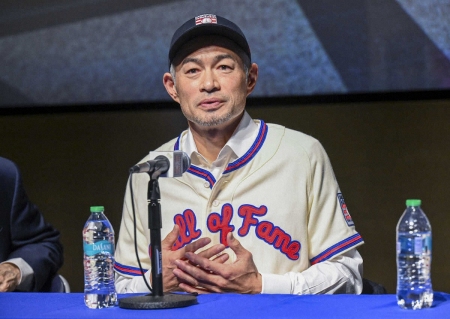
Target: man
x,y
259,210
30,250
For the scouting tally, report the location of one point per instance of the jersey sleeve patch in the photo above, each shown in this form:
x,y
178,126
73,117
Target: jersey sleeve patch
x,y
347,217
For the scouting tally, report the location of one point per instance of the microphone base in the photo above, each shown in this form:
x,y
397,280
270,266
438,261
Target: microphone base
x,y
158,302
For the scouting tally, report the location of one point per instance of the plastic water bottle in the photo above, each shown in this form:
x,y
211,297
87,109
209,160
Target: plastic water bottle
x,y
414,289
98,245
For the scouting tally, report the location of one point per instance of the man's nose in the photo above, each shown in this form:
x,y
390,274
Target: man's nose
x,y
210,82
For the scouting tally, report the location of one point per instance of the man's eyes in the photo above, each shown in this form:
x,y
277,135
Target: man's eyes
x,y
225,67
192,71
222,67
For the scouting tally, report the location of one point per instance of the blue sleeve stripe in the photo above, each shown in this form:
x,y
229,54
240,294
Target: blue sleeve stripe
x,y
337,248
128,270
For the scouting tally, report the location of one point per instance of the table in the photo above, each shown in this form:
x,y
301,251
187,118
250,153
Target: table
x,y
71,305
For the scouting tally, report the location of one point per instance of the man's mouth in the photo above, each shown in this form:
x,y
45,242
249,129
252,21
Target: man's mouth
x,y
210,104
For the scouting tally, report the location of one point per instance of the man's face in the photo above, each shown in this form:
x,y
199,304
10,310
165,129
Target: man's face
x,y
211,84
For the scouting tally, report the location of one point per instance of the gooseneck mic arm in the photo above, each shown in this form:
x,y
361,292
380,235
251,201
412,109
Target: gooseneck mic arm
x,y
155,225
155,168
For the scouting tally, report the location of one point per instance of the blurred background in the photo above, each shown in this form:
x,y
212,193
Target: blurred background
x,y
82,100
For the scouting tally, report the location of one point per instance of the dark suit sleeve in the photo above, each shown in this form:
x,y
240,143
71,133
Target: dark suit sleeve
x,y
32,239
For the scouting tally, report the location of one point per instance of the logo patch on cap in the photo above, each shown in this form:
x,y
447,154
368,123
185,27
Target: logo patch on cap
x,y
347,216
206,18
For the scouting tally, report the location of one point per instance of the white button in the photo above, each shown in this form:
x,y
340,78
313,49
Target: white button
x,y
206,184
215,203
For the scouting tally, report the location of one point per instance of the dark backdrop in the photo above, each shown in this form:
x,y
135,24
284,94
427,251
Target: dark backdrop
x,y
382,154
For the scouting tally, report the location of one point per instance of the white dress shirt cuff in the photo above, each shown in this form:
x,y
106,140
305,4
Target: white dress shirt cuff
x,y
279,284
135,284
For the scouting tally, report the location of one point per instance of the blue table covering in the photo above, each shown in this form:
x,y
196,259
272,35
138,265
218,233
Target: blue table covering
x,y
71,305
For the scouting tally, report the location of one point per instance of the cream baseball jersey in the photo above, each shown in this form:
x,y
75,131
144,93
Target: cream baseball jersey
x,y
281,201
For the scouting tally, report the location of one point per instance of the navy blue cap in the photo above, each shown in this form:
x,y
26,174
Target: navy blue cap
x,y
207,24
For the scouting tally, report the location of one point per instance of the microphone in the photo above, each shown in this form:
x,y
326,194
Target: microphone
x,y
168,164
160,163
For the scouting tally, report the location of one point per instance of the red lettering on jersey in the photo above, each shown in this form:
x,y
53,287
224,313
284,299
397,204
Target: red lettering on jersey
x,y
293,250
188,232
247,212
279,239
217,223
265,230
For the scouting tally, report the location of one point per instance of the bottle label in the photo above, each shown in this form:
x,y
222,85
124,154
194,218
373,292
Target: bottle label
x,y
419,245
102,246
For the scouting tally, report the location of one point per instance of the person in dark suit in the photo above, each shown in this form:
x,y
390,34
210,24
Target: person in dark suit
x,y
30,250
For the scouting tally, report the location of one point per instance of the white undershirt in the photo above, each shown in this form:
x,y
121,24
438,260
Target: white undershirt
x,y
238,144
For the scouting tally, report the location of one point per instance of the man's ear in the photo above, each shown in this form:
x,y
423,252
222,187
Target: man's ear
x,y
252,78
169,84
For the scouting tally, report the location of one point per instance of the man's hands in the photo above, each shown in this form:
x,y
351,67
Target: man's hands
x,y
169,257
9,277
199,274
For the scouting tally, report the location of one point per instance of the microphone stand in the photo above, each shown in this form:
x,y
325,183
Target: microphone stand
x,y
157,299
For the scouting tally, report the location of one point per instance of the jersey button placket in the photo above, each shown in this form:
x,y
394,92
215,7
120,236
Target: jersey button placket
x,y
213,203
214,207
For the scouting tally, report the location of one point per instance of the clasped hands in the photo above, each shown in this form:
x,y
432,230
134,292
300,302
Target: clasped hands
x,y
207,271
9,277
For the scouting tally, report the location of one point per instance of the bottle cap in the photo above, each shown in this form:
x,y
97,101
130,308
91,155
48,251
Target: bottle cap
x,y
97,209
413,202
